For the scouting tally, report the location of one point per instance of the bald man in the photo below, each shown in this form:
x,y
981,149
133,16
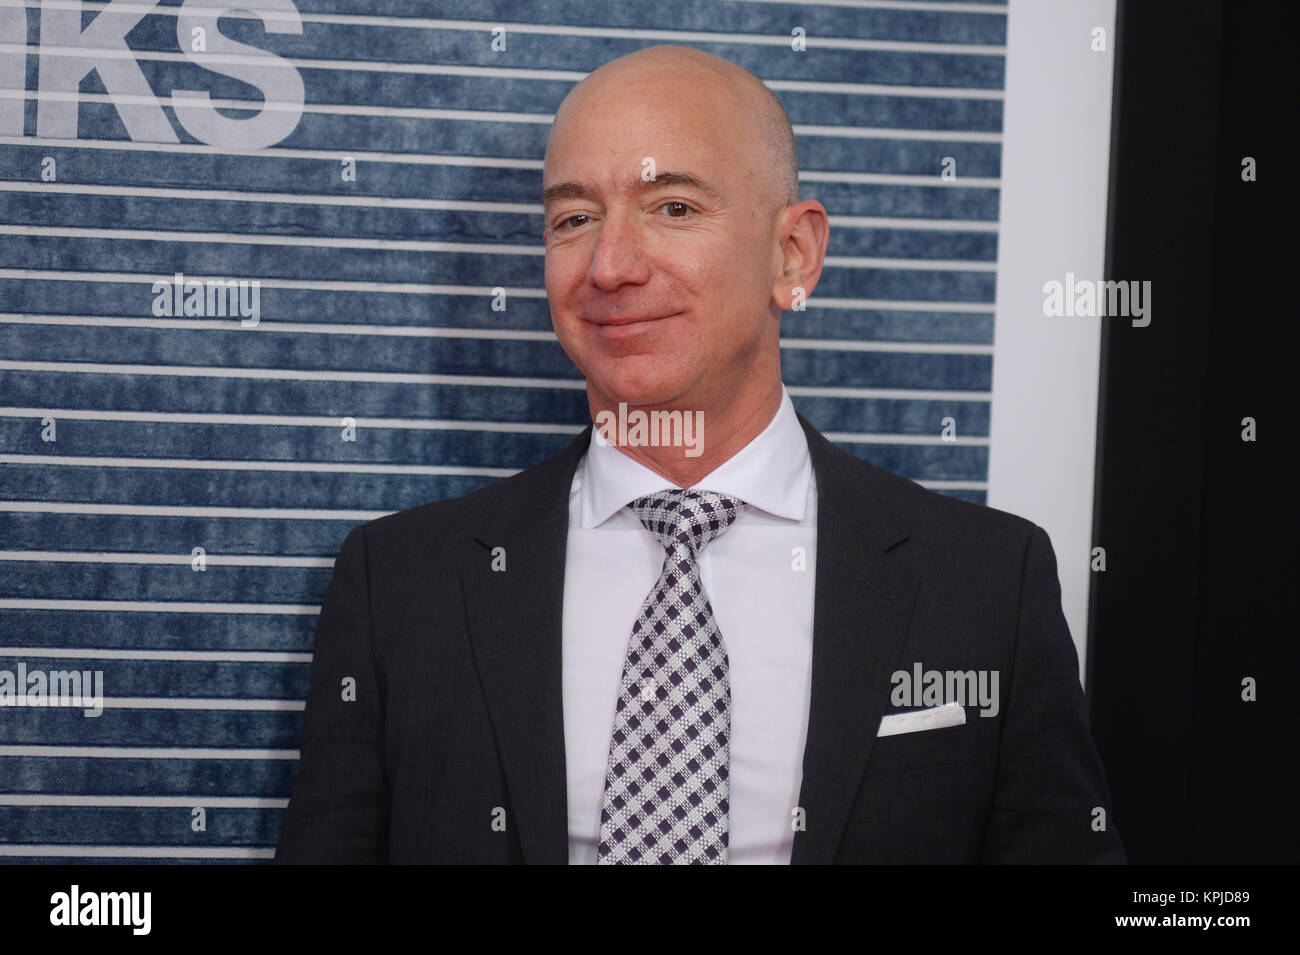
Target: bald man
x,y
701,633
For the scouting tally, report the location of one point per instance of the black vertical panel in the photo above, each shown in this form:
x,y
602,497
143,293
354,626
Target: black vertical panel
x,y
1178,617
1242,779
1151,417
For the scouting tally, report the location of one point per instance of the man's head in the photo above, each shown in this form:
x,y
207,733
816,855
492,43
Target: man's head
x,y
671,197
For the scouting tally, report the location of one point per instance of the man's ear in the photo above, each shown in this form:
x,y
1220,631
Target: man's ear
x,y
804,231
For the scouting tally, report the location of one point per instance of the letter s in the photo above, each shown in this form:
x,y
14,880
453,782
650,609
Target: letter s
x,y
279,82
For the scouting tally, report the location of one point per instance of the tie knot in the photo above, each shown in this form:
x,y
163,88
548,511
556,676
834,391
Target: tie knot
x,y
693,518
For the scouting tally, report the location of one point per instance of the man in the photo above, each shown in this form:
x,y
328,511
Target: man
x,y
694,650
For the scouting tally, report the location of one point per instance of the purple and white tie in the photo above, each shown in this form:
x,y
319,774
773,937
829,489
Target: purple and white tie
x,y
667,793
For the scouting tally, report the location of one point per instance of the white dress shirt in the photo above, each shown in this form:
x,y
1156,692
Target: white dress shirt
x,y
759,578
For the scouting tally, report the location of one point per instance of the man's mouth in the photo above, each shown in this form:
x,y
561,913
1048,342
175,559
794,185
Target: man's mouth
x,y
624,321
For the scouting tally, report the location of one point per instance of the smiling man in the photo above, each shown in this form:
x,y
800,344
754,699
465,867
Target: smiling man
x,y
702,633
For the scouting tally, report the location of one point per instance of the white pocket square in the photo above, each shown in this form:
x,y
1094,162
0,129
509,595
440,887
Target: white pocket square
x,y
936,717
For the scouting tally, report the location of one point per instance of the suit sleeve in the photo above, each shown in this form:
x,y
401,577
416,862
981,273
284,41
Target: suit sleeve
x,y
1050,781
339,809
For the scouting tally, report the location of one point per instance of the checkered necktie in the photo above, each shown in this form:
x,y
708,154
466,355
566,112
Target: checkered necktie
x,y
666,785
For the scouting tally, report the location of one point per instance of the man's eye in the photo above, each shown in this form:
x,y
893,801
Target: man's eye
x,y
676,205
564,223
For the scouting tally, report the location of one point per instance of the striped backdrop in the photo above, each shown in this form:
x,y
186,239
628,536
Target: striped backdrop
x,y
129,438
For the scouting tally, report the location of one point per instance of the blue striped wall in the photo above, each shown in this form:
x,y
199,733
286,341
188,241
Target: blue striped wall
x,y
183,432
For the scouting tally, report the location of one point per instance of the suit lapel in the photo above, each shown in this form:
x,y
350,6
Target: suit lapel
x,y
862,604
515,623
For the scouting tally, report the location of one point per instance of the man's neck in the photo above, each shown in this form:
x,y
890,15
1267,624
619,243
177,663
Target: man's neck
x,y
725,430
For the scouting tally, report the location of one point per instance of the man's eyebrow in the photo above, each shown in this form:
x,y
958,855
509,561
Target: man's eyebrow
x,y
663,180
564,190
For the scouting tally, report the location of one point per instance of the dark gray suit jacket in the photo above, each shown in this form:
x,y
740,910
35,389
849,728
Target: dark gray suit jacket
x,y
457,718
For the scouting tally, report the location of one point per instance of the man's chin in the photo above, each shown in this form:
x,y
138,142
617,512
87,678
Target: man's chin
x,y
636,390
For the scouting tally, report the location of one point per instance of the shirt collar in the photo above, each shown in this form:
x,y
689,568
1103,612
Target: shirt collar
x,y
771,473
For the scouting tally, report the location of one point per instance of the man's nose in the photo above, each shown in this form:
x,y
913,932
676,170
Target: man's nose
x,y
619,256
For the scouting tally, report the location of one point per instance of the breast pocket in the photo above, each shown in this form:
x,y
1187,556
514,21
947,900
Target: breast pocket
x,y
922,748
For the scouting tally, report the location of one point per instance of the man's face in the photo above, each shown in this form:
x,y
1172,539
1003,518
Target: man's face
x,y
660,291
